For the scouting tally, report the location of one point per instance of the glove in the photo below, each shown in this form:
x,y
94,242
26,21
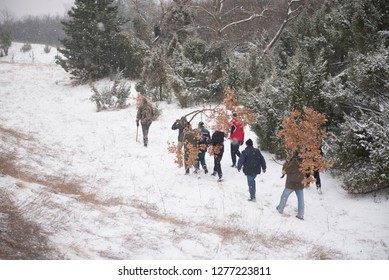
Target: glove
x,y
137,123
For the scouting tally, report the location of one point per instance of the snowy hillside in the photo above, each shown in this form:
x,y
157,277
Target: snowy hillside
x,y
82,183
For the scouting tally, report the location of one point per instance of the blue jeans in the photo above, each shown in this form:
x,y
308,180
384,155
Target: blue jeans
x,y
201,159
251,183
300,201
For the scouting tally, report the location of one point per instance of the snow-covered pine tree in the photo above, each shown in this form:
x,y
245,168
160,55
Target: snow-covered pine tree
x,y
269,106
91,50
360,147
5,40
154,76
198,69
346,35
295,87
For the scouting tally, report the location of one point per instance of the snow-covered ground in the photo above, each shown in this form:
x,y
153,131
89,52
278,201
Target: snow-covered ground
x,y
99,194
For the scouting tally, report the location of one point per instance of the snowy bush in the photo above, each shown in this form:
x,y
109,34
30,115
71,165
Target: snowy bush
x,y
112,97
26,47
362,153
361,144
47,49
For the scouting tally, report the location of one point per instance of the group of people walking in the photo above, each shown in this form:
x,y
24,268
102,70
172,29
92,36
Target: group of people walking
x,y
200,138
250,160
195,143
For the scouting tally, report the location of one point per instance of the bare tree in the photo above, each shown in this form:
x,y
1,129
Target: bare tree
x,y
295,7
144,14
219,11
226,19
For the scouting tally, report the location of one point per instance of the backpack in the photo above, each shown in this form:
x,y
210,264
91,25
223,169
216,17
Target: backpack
x,y
217,138
147,114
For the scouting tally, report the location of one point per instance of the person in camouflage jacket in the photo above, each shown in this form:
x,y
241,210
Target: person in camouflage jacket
x,y
145,117
191,148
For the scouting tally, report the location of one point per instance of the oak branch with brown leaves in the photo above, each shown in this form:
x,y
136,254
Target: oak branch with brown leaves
x,y
218,119
303,133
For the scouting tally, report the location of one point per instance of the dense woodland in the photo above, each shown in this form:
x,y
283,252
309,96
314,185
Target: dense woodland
x,y
277,56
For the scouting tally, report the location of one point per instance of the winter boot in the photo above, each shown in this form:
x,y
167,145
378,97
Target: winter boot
x,y
220,177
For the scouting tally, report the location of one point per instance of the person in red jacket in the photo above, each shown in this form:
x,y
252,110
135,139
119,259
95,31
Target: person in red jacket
x,y
236,137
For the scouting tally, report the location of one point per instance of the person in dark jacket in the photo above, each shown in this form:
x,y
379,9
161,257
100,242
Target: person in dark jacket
x,y
253,162
316,176
180,124
217,141
293,183
203,145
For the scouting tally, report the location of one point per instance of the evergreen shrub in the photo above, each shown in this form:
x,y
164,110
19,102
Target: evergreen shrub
x,y
47,49
26,47
112,97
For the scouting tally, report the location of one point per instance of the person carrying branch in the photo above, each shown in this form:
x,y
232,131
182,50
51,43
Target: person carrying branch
x,y
204,142
180,125
145,117
293,183
237,138
316,175
191,148
217,141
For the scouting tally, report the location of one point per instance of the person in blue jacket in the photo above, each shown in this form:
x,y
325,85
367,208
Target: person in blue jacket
x,y
253,163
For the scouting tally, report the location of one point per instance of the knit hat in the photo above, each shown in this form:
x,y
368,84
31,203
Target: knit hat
x,y
249,142
183,122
